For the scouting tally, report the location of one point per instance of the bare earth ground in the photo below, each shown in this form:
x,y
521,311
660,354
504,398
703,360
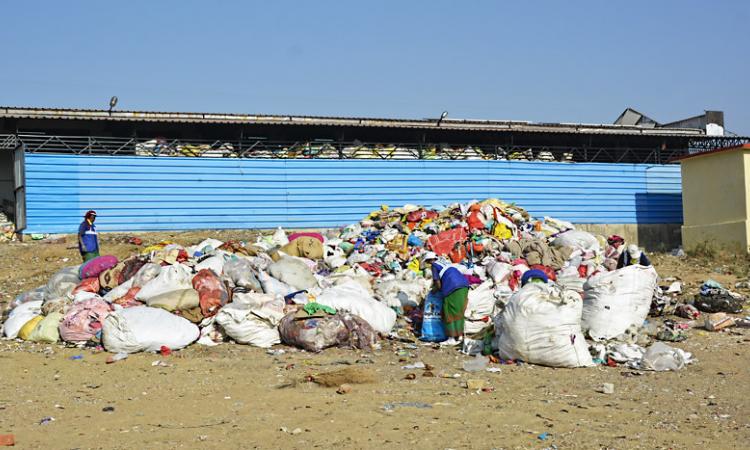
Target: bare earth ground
x,y
234,396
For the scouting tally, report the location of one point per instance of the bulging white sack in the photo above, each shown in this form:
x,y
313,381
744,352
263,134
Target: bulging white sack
x,y
146,329
578,240
480,304
541,324
294,272
215,263
118,291
170,278
351,296
252,318
613,301
19,316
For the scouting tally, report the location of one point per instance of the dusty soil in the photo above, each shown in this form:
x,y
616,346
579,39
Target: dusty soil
x,y
234,396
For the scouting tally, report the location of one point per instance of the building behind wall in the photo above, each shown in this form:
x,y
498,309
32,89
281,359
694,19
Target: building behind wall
x,y
716,200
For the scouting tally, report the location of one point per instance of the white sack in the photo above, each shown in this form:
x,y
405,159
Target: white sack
x,y
541,324
351,296
142,328
252,318
613,301
273,286
294,272
498,271
401,293
481,302
19,316
146,273
578,240
171,278
215,263
118,291
211,243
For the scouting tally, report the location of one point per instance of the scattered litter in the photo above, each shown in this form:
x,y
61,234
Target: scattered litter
x,y
388,407
116,357
718,321
475,384
476,364
416,365
46,420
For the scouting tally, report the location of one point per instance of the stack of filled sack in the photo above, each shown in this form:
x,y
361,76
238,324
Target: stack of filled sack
x,y
350,286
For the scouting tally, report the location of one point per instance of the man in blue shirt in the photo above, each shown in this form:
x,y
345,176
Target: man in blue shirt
x,y
88,240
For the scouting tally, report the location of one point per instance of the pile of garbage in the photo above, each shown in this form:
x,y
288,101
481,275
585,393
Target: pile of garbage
x,y
308,150
7,229
367,281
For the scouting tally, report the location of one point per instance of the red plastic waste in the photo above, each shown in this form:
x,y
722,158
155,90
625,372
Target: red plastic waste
x,y
212,292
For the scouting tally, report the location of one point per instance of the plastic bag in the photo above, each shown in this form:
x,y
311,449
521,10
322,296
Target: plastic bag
x,y
62,283
613,301
661,357
18,317
143,328
211,290
29,296
351,296
318,333
433,329
239,272
541,324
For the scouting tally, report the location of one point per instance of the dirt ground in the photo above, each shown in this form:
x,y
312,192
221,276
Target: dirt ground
x,y
235,396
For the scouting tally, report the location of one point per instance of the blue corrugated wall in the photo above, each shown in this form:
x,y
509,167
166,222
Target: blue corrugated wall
x,y
146,193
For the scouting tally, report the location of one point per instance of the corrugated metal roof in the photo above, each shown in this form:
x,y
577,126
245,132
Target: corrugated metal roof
x,y
711,152
448,124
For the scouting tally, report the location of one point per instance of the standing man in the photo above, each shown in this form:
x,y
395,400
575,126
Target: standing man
x,y
88,240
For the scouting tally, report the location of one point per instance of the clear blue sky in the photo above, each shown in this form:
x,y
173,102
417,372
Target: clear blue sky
x,y
542,61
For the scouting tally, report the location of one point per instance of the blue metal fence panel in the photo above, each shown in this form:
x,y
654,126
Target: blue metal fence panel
x,y
149,193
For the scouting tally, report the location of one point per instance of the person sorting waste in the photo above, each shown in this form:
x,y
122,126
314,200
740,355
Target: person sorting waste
x,y
88,239
455,290
633,255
